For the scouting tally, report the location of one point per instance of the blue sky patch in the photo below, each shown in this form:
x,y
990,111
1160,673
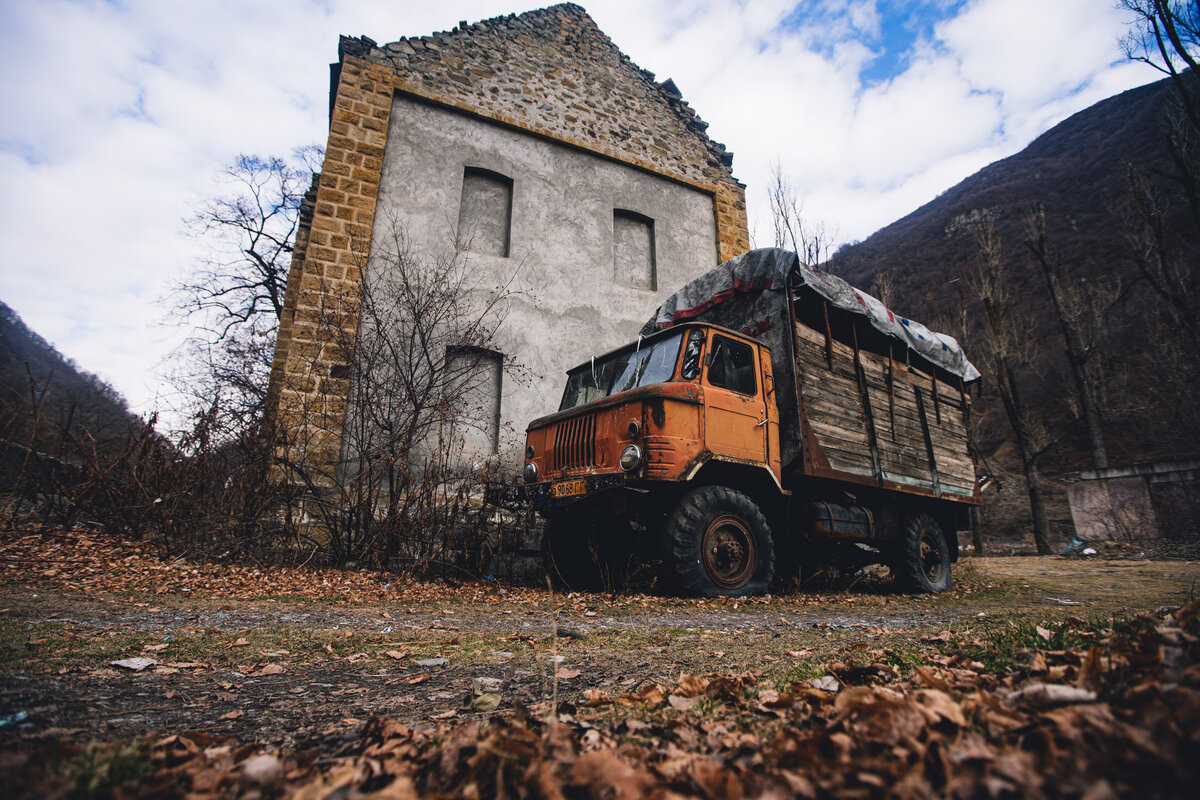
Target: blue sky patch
x,y
902,25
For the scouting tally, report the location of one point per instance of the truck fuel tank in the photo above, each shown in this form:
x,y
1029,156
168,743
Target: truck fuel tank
x,y
831,521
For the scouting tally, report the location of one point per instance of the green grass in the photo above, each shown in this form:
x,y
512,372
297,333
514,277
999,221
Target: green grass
x,y
799,672
1006,646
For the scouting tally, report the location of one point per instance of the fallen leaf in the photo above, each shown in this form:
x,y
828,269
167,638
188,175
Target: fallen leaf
x,y
682,703
690,685
1042,632
137,664
419,679
1044,695
485,702
270,669
826,683
932,680
233,715
432,662
240,643
399,655
564,674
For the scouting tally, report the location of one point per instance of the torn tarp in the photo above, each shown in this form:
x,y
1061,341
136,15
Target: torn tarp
x,y
765,272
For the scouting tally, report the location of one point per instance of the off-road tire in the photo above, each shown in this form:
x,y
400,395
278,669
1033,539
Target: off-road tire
x,y
586,554
922,563
717,542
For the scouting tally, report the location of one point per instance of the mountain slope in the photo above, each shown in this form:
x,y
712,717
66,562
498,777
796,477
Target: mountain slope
x,y
49,404
1079,171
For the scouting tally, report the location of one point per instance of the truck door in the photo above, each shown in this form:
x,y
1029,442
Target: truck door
x,y
735,415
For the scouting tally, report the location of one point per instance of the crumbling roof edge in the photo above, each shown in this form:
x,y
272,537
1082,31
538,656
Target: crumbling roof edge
x,y
366,48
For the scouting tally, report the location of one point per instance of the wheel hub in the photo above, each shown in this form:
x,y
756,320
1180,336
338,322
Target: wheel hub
x,y
728,552
931,558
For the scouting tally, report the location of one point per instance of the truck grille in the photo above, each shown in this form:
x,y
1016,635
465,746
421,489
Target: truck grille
x,y
575,443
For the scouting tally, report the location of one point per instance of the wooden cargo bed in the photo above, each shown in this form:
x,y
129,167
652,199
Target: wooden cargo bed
x,y
879,421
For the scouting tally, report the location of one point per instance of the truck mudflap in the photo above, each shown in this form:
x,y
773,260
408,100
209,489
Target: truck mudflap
x,y
554,494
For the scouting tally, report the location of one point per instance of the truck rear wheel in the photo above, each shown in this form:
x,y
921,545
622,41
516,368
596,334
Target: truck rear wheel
x,y
718,543
923,563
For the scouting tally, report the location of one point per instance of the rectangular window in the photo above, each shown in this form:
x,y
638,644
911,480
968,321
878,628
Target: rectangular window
x,y
731,366
473,383
485,212
633,250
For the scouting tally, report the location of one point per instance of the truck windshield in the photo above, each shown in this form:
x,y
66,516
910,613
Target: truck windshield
x,y
622,371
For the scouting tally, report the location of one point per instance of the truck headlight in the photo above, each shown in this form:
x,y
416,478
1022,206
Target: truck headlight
x,y
631,458
530,473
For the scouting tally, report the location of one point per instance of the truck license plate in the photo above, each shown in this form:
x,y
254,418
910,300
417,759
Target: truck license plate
x,y
569,488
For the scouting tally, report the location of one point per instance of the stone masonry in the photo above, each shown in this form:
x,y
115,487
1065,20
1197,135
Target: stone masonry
x,y
550,73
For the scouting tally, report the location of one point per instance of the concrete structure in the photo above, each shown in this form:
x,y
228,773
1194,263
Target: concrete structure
x,y
1144,501
532,142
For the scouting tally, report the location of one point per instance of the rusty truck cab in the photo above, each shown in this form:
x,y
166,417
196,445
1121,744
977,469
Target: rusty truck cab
x,y
658,409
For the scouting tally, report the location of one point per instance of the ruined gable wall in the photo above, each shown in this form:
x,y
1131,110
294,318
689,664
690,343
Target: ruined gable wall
x,y
552,73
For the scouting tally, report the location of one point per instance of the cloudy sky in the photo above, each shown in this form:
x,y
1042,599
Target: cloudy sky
x,y
117,116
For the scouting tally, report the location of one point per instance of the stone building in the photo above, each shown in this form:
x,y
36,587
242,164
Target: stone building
x,y
561,167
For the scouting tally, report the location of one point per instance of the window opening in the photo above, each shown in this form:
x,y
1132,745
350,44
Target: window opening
x,y
473,384
485,212
633,250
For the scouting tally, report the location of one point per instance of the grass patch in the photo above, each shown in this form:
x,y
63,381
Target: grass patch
x,y
1005,646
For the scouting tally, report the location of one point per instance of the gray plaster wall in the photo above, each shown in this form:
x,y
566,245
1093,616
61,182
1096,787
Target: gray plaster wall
x,y
568,306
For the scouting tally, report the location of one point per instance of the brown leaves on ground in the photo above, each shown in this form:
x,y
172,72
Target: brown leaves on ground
x,y
87,562
1121,719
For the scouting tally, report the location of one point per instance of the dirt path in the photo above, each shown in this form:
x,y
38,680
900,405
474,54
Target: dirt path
x,y
295,670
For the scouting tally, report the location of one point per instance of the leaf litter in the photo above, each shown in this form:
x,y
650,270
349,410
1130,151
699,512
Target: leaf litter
x,y
1120,720
1106,712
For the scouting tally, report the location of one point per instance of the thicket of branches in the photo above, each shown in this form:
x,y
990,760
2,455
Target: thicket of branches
x,y
419,431
407,490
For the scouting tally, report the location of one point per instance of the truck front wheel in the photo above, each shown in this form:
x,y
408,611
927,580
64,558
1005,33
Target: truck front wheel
x,y
718,543
923,563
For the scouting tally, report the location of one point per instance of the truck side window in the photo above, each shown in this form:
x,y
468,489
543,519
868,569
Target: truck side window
x,y
731,366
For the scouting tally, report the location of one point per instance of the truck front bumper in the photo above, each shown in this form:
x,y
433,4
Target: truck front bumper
x,y
567,491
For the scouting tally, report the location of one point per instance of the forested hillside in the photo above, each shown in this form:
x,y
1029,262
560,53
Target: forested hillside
x,y
51,406
1122,242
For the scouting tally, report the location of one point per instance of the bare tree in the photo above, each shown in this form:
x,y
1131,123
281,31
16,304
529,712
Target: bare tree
x,y
1009,348
235,295
1166,261
251,230
883,286
423,364
1160,213
1166,35
1073,317
809,239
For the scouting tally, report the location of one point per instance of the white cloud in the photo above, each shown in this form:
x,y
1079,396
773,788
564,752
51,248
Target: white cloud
x,y
118,115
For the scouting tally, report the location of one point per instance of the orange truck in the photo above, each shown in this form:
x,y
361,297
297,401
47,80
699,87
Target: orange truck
x,y
769,419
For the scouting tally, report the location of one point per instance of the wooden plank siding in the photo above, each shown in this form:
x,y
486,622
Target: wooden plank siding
x,y
833,405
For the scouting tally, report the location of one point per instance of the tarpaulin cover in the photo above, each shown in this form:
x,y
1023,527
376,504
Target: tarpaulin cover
x,y
748,294
767,269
